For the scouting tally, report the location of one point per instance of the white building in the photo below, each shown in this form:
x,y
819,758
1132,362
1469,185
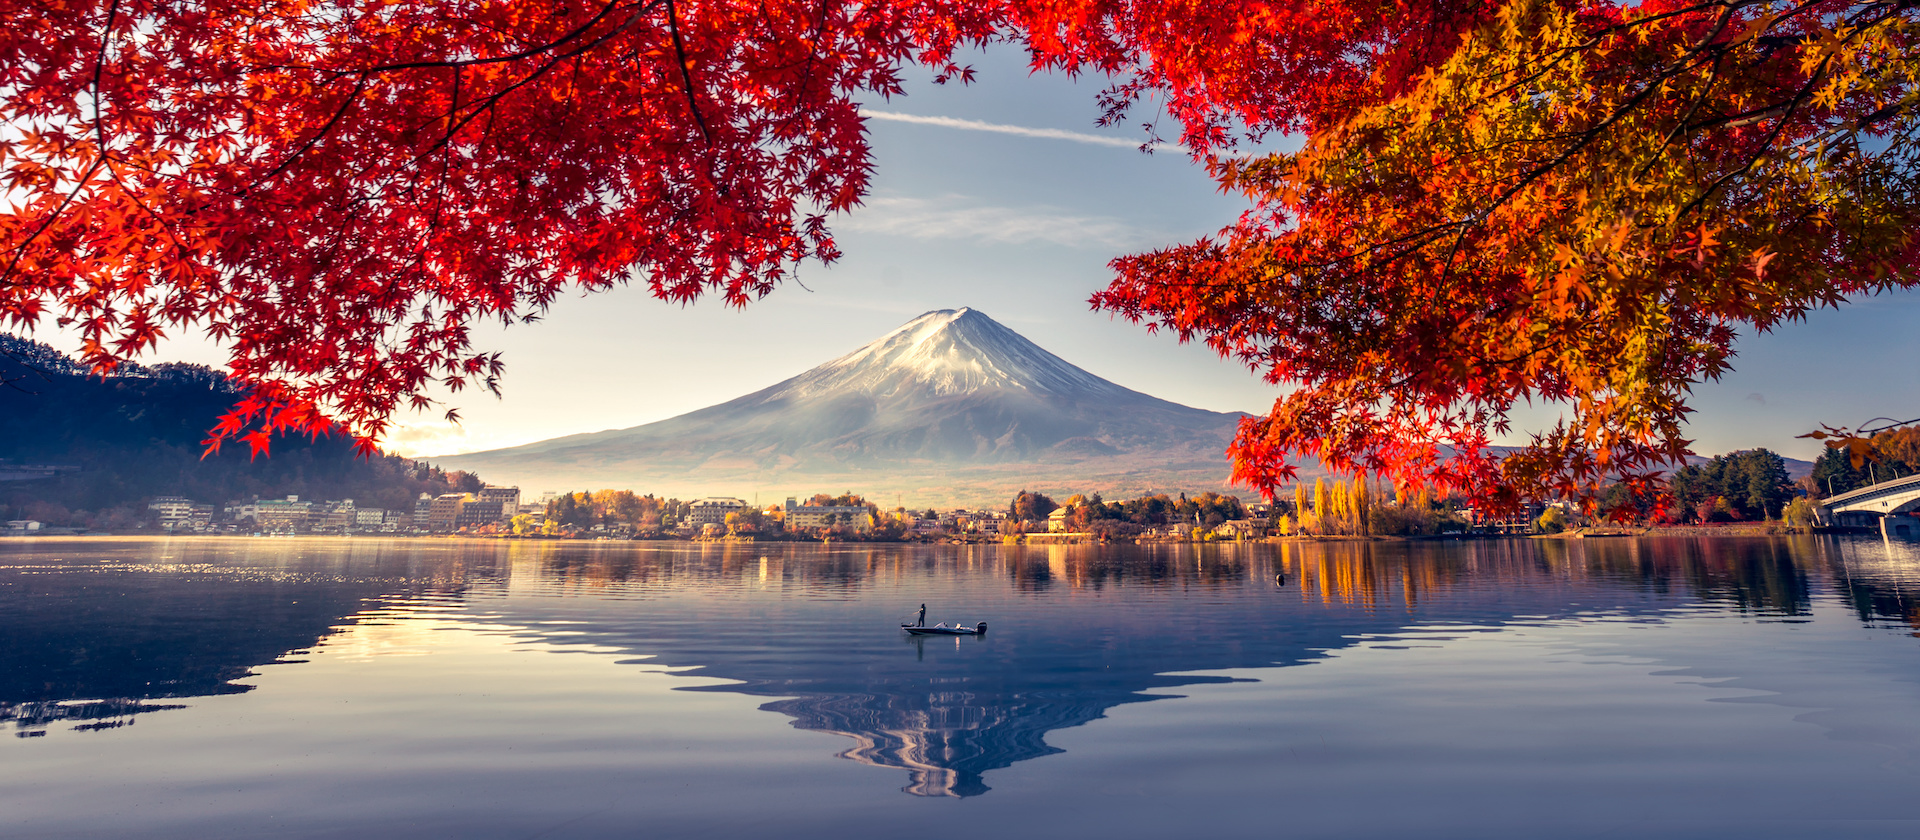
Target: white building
x,y
334,516
175,512
984,522
1242,528
1057,520
507,497
289,514
713,511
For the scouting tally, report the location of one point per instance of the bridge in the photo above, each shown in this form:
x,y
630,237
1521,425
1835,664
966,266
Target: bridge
x,y
1877,504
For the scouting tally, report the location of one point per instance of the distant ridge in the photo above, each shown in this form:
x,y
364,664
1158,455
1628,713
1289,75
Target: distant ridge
x,y
136,433
950,408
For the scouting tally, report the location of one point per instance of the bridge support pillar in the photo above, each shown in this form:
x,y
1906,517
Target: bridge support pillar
x,y
1894,525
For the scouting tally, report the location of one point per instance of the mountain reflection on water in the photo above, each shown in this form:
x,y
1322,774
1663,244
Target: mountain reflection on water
x,y
95,631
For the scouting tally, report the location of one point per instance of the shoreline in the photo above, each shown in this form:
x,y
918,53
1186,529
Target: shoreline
x,y
1724,530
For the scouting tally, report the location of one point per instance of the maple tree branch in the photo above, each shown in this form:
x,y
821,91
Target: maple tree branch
x,y
1562,53
1668,14
1774,43
20,250
1679,127
453,104
1879,115
1582,139
813,55
353,96
1586,138
575,33
1799,98
364,74
100,151
686,73
99,67
486,105
1857,25
446,166
100,133
1743,119
1891,423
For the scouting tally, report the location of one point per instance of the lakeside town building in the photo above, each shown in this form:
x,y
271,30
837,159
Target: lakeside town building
x,y
1057,521
1242,528
800,517
493,506
444,511
500,510
289,514
508,498
477,512
334,516
713,511
177,513
172,511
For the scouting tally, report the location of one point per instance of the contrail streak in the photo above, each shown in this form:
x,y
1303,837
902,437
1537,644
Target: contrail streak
x,y
1018,130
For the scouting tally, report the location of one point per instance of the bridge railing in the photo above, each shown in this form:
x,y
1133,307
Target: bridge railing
x,y
1873,492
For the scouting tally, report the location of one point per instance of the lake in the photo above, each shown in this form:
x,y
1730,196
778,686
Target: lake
x,y
333,688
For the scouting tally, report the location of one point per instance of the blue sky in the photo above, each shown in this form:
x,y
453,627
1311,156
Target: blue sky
x,y
1021,227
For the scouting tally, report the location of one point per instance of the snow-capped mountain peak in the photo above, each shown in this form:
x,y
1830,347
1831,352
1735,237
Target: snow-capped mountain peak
x,y
953,351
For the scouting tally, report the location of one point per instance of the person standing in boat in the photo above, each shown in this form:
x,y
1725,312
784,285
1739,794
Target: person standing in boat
x,y
922,620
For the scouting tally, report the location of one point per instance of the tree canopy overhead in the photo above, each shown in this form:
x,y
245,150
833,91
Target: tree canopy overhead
x,y
1493,202
338,189
1580,204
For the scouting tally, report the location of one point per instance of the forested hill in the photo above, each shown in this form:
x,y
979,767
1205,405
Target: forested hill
x,y
136,434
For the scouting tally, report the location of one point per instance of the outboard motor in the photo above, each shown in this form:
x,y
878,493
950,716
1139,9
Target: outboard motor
x,y
980,628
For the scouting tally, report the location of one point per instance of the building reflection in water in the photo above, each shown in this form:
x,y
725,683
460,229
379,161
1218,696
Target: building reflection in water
x,y
94,629
1879,579
1077,629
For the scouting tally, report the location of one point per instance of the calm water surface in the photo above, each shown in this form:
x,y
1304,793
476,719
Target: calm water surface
x,y
1750,688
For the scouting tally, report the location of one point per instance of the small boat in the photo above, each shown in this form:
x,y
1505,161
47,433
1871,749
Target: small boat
x,y
943,630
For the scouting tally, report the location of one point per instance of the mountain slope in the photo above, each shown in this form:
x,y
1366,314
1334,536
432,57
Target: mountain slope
x,y
951,407
137,434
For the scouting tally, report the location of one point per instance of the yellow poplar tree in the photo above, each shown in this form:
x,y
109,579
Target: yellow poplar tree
x,y
1320,505
1343,501
1360,506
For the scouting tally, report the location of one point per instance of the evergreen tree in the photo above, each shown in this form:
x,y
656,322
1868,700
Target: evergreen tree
x,y
1743,485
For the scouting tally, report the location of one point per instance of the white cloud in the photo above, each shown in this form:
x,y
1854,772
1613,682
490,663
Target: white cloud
x,y
952,218
415,441
1017,130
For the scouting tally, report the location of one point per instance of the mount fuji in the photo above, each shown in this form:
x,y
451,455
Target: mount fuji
x,y
951,407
